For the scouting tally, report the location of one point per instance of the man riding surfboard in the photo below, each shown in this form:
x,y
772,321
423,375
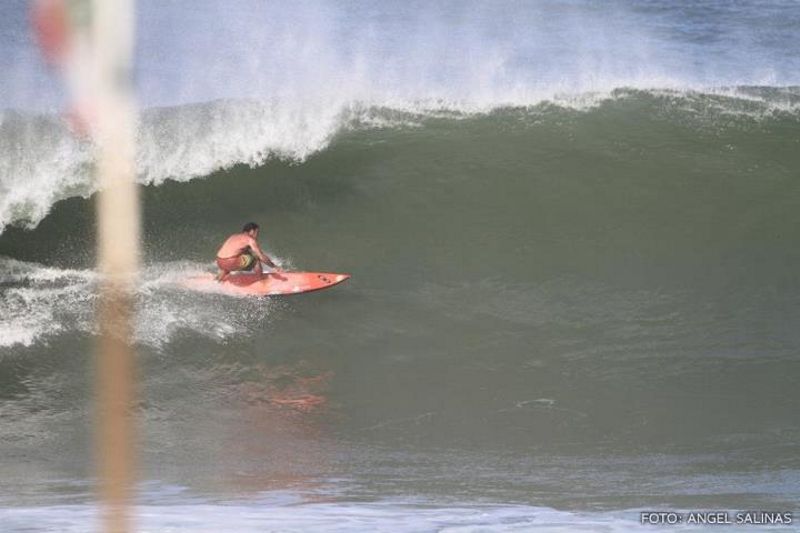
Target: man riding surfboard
x,y
240,252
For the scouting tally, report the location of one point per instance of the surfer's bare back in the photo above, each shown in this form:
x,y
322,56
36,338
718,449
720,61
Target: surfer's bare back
x,y
241,252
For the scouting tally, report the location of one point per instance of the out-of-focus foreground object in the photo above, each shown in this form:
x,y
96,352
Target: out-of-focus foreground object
x,y
91,42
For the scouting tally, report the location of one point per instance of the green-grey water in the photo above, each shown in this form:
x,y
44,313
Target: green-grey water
x,y
559,314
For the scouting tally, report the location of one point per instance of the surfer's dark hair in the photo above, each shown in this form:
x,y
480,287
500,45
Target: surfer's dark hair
x,y
250,226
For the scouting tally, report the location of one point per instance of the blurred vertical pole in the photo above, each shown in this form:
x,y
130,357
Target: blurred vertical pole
x,y
91,42
118,254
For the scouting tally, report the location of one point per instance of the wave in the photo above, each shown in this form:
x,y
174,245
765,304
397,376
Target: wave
x,y
42,163
659,186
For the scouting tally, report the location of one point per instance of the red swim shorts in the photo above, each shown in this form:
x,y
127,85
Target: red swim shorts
x,y
237,262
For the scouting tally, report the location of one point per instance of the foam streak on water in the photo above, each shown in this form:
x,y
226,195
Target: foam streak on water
x,y
332,517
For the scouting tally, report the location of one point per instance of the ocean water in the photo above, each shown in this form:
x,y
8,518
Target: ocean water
x,y
573,233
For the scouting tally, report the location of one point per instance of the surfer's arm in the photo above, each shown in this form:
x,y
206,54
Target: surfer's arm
x,y
264,258
270,263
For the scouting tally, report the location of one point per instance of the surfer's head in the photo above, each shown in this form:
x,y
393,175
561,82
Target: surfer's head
x,y
251,228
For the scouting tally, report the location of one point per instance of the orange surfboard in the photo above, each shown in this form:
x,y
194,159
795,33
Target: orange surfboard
x,y
267,284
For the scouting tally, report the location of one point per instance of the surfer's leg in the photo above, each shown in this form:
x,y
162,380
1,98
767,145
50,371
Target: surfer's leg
x,y
225,267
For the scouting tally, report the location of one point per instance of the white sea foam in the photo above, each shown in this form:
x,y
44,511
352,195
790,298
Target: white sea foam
x,y
40,163
39,302
333,517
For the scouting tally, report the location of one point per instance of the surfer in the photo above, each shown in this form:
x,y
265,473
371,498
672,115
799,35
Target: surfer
x,y
240,252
